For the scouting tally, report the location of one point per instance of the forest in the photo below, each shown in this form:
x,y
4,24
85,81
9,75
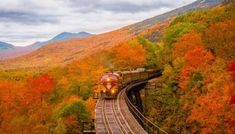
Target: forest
x,y
197,94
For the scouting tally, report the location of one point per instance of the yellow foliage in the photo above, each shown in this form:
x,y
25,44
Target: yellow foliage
x,y
90,105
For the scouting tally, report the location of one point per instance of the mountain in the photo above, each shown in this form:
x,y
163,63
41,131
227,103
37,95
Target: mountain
x,y
8,51
67,35
63,52
63,36
4,46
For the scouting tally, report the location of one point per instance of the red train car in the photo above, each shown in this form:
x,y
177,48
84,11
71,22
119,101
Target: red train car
x,y
109,85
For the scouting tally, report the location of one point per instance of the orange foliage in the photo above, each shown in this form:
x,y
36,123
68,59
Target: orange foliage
x,y
4,91
220,37
186,43
11,94
196,59
232,69
21,104
129,55
184,77
213,111
90,106
87,69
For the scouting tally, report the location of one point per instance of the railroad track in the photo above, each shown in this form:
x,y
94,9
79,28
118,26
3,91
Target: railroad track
x,y
109,117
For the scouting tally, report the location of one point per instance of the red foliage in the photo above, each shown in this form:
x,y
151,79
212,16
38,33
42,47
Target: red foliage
x,y
4,93
71,120
232,100
232,69
232,66
39,86
43,83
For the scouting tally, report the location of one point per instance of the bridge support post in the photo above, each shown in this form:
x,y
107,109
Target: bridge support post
x,y
138,101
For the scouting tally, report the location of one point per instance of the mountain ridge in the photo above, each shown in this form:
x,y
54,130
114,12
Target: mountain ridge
x,y
10,51
4,45
62,36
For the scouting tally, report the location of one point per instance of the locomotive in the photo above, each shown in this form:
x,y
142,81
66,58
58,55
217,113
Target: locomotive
x,y
111,83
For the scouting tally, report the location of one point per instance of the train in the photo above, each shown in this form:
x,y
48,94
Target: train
x,y
112,82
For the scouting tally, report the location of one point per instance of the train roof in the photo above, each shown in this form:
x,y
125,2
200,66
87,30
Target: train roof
x,y
134,71
112,76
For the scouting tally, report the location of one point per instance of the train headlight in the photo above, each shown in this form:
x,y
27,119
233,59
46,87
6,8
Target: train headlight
x,y
112,91
104,90
108,79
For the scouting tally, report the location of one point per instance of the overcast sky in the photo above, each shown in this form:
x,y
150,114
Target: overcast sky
x,y
22,22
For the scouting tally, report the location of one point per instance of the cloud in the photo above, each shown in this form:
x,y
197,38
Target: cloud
x,y
23,22
26,18
121,6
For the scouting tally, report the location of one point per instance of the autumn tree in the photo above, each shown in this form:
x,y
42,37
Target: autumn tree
x,y
197,59
186,43
129,55
232,70
211,111
157,54
220,38
176,30
68,113
11,94
232,99
90,106
38,87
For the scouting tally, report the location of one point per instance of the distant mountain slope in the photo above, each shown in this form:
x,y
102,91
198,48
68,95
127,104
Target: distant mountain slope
x,y
63,36
15,52
197,5
4,45
63,52
8,51
67,35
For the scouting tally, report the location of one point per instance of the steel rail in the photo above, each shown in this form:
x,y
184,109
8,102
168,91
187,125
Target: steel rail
x,y
121,126
105,118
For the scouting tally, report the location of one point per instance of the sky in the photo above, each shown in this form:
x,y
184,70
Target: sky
x,y
23,22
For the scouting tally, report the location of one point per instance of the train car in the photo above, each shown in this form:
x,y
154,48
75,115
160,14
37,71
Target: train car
x,y
112,83
109,85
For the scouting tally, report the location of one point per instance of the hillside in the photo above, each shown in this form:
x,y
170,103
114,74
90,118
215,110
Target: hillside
x,y
66,51
15,52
